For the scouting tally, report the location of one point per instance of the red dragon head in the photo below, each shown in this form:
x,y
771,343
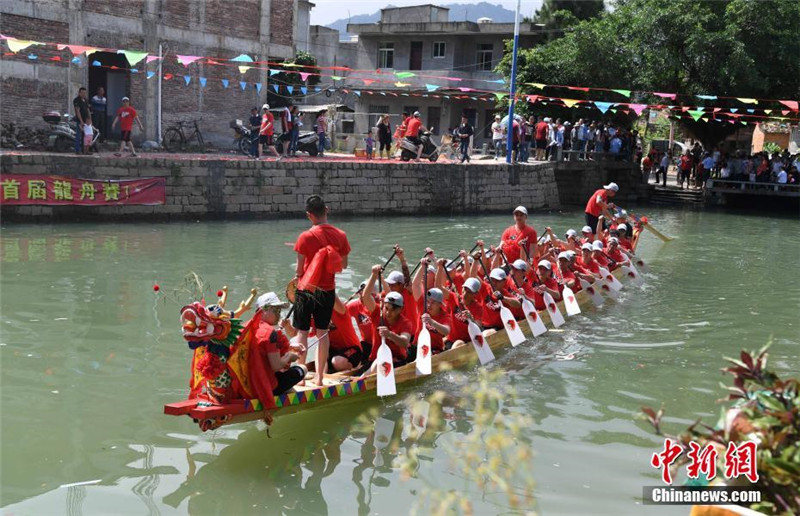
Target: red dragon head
x,y
201,323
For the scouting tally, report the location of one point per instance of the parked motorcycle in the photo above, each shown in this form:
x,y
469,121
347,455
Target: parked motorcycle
x,y
62,132
243,137
408,150
307,142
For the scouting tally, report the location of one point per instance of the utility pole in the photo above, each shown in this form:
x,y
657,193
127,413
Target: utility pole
x,y
513,92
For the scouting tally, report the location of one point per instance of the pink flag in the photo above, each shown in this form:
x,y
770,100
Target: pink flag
x,y
577,88
304,75
791,104
665,95
637,108
150,59
532,98
367,82
187,60
466,89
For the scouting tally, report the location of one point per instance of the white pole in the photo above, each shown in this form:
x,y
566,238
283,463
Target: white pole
x,y
513,90
160,58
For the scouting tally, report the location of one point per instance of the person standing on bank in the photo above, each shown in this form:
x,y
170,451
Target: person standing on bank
x,y
266,131
599,205
322,132
464,133
126,116
255,125
99,113
321,252
83,114
385,136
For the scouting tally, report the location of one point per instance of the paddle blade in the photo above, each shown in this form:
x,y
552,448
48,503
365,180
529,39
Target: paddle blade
x,y
570,303
385,371
658,233
534,320
630,272
643,267
552,309
513,330
610,279
424,352
482,348
384,428
311,350
607,290
590,288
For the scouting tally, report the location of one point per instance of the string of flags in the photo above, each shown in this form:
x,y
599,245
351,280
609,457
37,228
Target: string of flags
x,y
244,62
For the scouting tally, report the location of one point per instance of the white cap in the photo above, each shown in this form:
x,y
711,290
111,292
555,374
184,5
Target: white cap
x,y
570,254
546,264
125,98
571,233
544,239
416,113
522,209
394,298
520,265
436,294
547,119
265,106
395,277
498,274
622,213
622,227
563,255
586,229
473,284
612,186
613,240
587,246
496,117
376,289
270,299
598,245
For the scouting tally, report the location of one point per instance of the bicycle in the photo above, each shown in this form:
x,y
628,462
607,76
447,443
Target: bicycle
x,y
175,139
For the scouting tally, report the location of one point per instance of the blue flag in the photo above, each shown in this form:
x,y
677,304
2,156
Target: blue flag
x,y
243,84
290,89
224,83
258,87
275,87
187,78
202,82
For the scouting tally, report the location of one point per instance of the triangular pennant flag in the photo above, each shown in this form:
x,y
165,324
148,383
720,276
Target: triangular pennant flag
x,y
225,83
431,87
499,95
613,110
290,89
304,76
536,85
403,75
577,88
258,87
80,49
242,58
785,112
751,110
465,89
187,78
55,58
187,60
33,57
168,76
134,70
367,82
357,92
151,59
696,114
707,97
401,84
637,108
303,90
734,110
627,93
274,72
767,111
670,96
532,98
716,109
317,89
243,69
202,82
150,75
275,87
243,84
602,106
96,63
498,81
569,102
15,45
132,56
336,78
747,101
791,104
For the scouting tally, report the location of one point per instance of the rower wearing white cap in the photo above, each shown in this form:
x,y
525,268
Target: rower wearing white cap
x,y
624,237
271,342
437,319
599,255
519,281
400,282
616,252
546,282
495,291
464,308
571,240
587,235
599,204
518,239
586,261
569,273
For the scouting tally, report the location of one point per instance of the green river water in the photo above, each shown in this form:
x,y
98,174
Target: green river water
x,y
89,355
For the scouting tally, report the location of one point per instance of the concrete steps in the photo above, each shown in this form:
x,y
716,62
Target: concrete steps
x,y
675,196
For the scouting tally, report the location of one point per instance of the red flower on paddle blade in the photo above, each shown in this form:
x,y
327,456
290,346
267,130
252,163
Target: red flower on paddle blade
x,y
512,324
552,307
533,315
590,290
156,288
631,274
479,339
386,368
571,299
425,351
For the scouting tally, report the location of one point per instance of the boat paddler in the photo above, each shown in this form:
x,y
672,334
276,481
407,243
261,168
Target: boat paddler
x,y
464,308
546,283
321,253
273,347
495,291
518,235
346,350
437,319
599,204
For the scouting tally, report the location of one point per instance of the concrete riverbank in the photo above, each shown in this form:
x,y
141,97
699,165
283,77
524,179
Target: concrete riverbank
x,y
199,187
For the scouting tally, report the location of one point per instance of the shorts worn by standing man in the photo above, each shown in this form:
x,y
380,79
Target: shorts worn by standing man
x,y
321,253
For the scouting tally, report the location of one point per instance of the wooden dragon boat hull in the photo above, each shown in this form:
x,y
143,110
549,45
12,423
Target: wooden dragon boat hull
x,y
344,386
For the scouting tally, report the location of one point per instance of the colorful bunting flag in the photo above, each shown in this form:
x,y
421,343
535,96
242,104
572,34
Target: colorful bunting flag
x,y
403,75
132,56
791,104
274,72
696,113
150,75
258,87
707,97
577,88
401,84
603,106
569,102
243,69
431,87
15,45
747,101
637,108
500,96
751,110
75,60
225,83
337,78
536,85
33,57
304,76
465,89
767,111
357,92
275,87
303,90
734,110
532,98
80,49
670,96
150,59
187,78
243,85
290,89
96,63
627,93
187,60
242,58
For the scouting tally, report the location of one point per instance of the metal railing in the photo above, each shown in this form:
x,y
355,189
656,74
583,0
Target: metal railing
x,y
747,187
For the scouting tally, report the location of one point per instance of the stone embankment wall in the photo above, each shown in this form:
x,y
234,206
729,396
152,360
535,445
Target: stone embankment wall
x,y
228,188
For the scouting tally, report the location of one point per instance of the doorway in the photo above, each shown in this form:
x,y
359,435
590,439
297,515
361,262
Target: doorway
x,y
113,76
415,58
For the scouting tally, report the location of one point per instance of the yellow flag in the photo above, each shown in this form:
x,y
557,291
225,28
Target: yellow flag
x,y
747,101
15,45
243,69
536,85
569,102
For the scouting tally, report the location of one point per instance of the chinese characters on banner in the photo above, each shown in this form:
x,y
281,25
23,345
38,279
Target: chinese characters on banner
x,y
739,460
21,189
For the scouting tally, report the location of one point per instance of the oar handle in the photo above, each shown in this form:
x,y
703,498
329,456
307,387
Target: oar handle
x,y
418,264
458,258
425,293
390,259
357,292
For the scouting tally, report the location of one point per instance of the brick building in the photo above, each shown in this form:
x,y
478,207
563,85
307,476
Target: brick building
x,y
263,29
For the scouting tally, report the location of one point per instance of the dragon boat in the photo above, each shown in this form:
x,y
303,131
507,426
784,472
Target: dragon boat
x,y
223,384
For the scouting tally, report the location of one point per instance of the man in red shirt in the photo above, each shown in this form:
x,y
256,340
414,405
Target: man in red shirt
x,y
436,319
462,310
540,135
412,132
599,205
272,347
546,283
266,131
518,236
495,292
321,253
346,351
126,115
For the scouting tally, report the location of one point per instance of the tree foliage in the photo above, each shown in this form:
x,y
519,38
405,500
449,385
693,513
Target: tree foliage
x,y
727,47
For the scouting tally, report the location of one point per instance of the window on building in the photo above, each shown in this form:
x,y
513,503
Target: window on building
x,y
434,118
488,121
438,49
375,113
386,55
484,56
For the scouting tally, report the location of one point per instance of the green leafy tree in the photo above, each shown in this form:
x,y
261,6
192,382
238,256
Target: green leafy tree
x,y
727,48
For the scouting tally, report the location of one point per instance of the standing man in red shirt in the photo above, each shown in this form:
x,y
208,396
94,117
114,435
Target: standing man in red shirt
x,y
540,135
321,253
125,116
412,132
599,205
518,236
266,131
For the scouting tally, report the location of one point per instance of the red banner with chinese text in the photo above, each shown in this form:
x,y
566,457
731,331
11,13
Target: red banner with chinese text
x,y
24,189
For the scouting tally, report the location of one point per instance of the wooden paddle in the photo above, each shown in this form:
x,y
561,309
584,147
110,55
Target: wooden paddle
x,y
597,299
515,335
570,303
419,263
649,227
535,322
423,360
552,308
458,259
483,351
630,271
385,365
